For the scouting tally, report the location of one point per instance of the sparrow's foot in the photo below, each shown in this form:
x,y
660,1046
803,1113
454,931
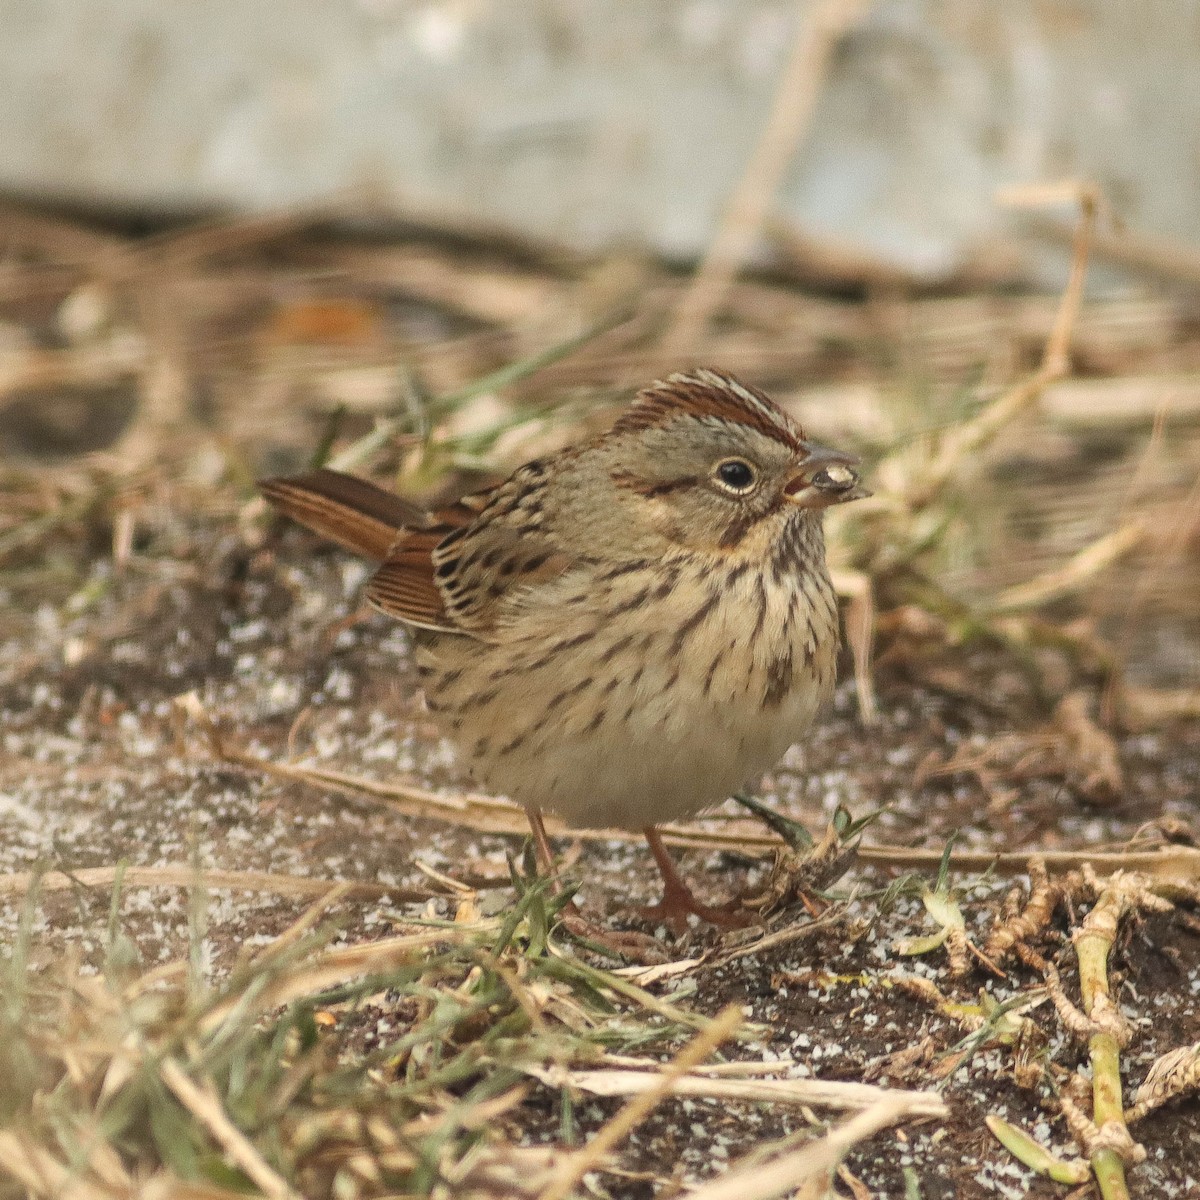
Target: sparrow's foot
x,y
679,903
622,943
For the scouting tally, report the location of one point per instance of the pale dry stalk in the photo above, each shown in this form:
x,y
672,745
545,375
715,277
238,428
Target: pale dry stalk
x,y
821,26
809,1167
206,1107
722,1027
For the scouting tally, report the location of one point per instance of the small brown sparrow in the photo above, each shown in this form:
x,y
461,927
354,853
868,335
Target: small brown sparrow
x,y
625,632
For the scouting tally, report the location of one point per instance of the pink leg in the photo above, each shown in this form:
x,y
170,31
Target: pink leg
x,y
678,899
540,841
631,945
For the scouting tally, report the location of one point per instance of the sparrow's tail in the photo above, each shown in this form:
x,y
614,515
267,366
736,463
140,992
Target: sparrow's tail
x,y
347,510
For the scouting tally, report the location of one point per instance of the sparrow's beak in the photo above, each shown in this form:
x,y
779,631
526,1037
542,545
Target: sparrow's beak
x,y
825,477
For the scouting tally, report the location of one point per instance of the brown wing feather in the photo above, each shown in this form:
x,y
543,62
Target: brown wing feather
x,y
347,510
440,570
405,587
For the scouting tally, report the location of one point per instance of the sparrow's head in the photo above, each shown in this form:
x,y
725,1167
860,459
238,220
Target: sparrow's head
x,y
713,464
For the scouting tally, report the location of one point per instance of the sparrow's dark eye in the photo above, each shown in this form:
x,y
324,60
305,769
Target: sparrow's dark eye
x,y
735,475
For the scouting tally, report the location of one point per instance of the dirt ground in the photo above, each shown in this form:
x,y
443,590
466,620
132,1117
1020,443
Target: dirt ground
x,y
100,765
95,772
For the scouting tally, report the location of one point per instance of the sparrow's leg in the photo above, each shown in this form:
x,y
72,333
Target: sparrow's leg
x,y
678,899
541,842
627,944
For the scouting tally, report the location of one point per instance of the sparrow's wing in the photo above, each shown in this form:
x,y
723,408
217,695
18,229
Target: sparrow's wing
x,y
445,570
404,586
381,525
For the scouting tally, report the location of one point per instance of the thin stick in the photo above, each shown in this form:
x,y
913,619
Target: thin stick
x,y
1182,862
1058,347
1160,257
541,841
304,922
41,1174
720,1029
341,964
821,26
1078,571
972,435
856,587
501,817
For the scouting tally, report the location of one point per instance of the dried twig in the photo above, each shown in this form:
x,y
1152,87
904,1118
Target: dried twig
x,y
343,963
856,588
821,26
37,1170
1077,572
491,815
971,436
822,1093
1160,257
20,882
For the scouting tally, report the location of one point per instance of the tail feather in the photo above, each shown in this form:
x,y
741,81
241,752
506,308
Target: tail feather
x,y
347,510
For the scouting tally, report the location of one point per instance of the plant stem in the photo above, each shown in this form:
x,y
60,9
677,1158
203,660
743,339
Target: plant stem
x,y
1093,943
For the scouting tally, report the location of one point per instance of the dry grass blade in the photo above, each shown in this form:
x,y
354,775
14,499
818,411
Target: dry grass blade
x,y
423,1065
205,1106
339,966
174,1078
1144,708
971,436
1165,258
737,1069
166,1186
488,814
810,1167
818,1092
1077,573
37,1170
306,922
722,1027
1167,863
856,588
188,877
774,940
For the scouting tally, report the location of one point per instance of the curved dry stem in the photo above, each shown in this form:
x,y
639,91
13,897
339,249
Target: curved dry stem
x,y
1093,943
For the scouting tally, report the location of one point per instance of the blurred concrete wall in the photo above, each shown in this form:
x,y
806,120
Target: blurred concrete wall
x,y
603,122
